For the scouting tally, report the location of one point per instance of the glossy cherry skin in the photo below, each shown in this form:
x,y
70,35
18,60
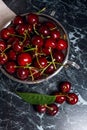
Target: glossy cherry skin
x,y
50,43
50,25
41,63
18,20
3,58
72,98
41,108
21,29
4,34
44,30
32,18
22,73
65,87
61,45
52,109
60,97
50,69
55,34
10,67
24,59
37,41
2,45
58,56
17,46
11,30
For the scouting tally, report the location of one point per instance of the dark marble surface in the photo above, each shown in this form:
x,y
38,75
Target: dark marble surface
x,y
18,115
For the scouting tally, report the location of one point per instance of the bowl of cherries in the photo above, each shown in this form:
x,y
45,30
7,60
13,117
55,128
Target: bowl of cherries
x,y
33,48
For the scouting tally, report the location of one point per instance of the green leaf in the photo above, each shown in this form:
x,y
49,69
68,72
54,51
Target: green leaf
x,y
34,98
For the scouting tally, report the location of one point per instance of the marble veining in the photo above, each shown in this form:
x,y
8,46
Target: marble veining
x,y
16,114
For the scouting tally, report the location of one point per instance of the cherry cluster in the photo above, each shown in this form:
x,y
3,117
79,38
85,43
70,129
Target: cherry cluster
x,y
62,95
31,48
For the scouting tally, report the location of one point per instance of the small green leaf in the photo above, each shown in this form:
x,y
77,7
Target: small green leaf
x,y
34,98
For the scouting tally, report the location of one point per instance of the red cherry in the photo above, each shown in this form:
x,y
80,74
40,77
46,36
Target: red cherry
x,y
2,45
50,69
50,43
58,56
44,30
55,34
10,67
60,98
11,29
65,87
41,108
21,29
37,40
3,58
18,20
61,45
72,98
41,62
50,25
34,73
52,109
24,59
12,55
32,18
5,34
22,73
46,51
17,46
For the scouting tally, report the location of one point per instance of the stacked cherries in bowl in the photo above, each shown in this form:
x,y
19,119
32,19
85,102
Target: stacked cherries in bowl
x,y
33,48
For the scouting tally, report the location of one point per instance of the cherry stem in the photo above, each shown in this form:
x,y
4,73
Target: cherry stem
x,y
31,74
34,26
42,10
46,67
37,57
52,58
30,49
7,48
17,35
50,108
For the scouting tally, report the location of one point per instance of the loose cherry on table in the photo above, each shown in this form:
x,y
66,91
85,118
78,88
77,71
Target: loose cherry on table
x,y
41,108
72,98
65,87
52,109
60,97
